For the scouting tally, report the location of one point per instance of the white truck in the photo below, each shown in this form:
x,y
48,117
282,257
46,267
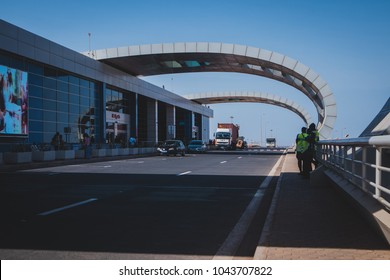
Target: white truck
x,y
271,143
226,136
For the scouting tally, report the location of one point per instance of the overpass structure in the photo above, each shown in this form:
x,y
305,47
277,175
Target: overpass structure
x,y
256,97
172,58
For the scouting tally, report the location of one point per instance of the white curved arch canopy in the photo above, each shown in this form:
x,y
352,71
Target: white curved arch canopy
x,y
256,97
157,59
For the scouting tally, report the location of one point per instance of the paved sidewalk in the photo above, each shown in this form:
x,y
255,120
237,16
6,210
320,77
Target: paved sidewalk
x,y
315,223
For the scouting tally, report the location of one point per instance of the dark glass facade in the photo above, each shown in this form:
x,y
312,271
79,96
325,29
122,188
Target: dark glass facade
x,y
59,102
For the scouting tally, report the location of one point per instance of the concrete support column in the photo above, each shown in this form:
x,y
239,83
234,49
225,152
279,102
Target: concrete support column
x,y
205,133
136,115
171,122
152,122
156,121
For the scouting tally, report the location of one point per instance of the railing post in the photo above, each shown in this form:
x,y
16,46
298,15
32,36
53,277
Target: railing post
x,y
327,154
335,157
378,172
364,168
353,168
344,152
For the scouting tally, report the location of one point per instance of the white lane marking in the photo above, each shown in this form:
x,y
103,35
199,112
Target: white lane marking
x,y
184,173
223,161
239,157
230,246
106,166
66,207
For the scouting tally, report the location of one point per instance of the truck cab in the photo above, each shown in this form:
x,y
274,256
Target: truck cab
x,y
271,143
223,138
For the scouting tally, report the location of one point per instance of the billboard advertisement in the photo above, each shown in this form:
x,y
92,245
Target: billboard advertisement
x,y
13,102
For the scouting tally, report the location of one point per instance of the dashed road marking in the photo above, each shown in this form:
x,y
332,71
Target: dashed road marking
x,y
184,173
66,207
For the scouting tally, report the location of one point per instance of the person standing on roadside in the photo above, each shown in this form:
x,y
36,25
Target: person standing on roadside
x,y
301,147
313,138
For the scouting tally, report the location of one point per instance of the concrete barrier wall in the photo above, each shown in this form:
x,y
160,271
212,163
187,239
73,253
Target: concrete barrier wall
x,y
374,212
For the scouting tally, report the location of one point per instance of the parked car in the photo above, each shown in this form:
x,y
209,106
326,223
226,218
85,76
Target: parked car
x,y
172,147
196,146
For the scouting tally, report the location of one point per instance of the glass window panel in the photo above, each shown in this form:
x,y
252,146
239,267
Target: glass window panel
x,y
35,114
74,99
35,102
91,94
49,83
120,97
84,101
34,91
63,107
97,87
114,97
50,127
62,86
62,76
18,63
73,89
4,59
36,126
62,117
49,94
47,137
49,105
84,91
74,109
33,68
35,137
74,80
35,79
49,116
108,95
62,96
74,119
84,83
84,110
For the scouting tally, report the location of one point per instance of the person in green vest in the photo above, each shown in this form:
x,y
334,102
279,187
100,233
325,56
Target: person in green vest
x,y
313,138
301,147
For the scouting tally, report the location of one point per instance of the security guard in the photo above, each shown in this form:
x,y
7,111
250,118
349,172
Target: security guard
x,y
301,147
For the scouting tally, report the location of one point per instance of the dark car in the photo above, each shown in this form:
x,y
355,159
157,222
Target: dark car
x,y
196,146
172,147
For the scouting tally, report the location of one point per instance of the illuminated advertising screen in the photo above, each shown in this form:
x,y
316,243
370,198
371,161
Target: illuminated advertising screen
x,y
13,102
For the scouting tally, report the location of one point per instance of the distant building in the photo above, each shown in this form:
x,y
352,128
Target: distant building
x,y
47,88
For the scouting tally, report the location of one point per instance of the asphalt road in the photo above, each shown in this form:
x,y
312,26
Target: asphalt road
x,y
169,207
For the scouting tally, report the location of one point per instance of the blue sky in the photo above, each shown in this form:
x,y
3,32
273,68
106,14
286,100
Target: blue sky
x,y
347,42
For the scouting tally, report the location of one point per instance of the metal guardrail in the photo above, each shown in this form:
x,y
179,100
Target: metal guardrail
x,y
363,161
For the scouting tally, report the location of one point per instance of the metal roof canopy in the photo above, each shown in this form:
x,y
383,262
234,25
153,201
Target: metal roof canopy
x,y
172,58
255,97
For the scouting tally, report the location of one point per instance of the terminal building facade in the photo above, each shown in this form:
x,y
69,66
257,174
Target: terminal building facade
x,y
47,88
